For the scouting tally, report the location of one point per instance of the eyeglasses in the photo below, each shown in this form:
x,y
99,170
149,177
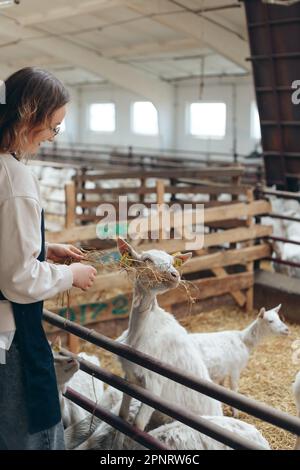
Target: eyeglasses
x,y
55,130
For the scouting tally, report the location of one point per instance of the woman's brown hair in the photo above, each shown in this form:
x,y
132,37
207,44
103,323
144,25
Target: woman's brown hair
x,y
32,96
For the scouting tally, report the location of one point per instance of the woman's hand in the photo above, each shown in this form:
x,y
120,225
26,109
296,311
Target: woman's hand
x,y
59,253
83,275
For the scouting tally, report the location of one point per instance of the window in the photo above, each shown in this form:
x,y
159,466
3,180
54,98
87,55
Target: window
x,y
255,123
102,117
144,118
207,120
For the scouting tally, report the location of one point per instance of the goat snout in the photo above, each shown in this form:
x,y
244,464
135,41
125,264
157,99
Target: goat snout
x,y
174,275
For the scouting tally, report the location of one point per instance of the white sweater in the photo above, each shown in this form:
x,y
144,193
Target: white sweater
x,y
23,279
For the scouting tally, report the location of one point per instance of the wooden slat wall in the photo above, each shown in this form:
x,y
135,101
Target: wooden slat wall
x,y
214,257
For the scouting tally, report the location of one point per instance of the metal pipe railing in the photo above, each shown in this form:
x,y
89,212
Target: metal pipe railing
x,y
282,261
283,217
110,418
248,405
282,239
190,419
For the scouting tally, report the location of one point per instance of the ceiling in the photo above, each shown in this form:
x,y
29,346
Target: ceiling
x,y
125,41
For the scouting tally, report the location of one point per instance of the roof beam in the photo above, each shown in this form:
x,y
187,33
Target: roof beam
x,y
122,75
150,48
225,42
61,13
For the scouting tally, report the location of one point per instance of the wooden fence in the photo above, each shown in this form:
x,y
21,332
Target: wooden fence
x,y
224,265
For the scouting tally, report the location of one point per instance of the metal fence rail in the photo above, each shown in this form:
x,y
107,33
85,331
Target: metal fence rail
x,y
110,418
262,192
190,419
248,405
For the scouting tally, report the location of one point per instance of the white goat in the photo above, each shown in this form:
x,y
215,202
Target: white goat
x,y
174,435
177,436
226,353
157,333
296,390
68,375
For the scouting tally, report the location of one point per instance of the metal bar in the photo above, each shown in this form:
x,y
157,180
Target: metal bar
x,y
280,22
283,123
110,418
282,55
248,405
281,261
286,154
190,419
284,240
266,89
283,217
281,194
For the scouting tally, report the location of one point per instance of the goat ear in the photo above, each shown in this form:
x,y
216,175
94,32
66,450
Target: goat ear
x,y
125,248
181,258
262,312
277,308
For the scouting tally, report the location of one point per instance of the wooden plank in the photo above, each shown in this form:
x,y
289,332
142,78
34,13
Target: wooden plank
x,y
238,296
250,265
190,173
70,197
119,306
193,189
78,234
116,307
209,287
119,280
160,198
233,211
237,235
94,204
214,214
227,258
226,224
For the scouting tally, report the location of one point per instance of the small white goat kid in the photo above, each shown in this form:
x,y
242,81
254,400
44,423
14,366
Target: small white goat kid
x,y
296,390
68,375
157,333
226,353
174,435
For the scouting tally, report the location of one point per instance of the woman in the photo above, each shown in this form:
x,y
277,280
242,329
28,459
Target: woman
x,y
29,406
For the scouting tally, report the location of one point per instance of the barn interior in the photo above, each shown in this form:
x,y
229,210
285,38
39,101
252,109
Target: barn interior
x,y
184,114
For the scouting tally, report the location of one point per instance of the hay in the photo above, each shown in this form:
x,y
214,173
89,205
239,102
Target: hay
x,y
268,377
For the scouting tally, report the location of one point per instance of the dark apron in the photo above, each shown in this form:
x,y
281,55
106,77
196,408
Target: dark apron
x,y
37,362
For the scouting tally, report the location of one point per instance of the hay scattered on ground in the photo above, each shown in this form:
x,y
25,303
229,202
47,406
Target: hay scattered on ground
x,y
268,377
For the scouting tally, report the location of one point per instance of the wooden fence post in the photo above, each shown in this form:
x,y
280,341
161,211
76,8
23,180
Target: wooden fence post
x,y
70,196
250,265
160,199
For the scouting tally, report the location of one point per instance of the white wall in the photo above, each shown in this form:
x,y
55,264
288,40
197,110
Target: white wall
x,y
178,136
241,103
123,136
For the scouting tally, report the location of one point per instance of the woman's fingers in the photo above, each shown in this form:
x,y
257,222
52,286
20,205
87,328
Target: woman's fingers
x,y
75,252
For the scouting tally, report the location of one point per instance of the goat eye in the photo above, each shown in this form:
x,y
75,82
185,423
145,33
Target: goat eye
x,y
270,321
147,259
